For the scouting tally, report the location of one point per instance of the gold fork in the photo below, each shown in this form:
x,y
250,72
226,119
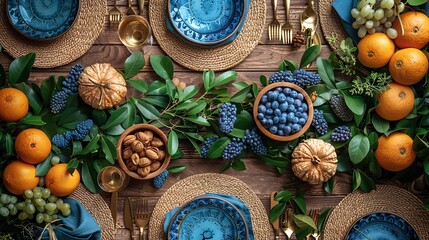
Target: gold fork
x,y
130,10
114,15
287,31
314,214
142,217
274,27
287,223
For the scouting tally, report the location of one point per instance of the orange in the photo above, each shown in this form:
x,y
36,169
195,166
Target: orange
x,y
13,105
416,30
60,181
408,66
19,176
32,146
375,50
395,152
396,102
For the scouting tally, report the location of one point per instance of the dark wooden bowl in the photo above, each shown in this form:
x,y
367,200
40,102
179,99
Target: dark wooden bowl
x,y
136,128
278,137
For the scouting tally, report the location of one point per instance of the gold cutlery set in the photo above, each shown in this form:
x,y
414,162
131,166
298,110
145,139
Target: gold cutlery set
x,y
141,218
115,15
309,22
287,224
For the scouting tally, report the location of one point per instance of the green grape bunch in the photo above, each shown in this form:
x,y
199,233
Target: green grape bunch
x,y
376,16
39,204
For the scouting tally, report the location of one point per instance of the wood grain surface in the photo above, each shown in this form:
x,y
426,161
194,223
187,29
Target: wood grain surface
x,y
264,59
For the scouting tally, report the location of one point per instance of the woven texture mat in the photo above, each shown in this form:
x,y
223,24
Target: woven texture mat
x,y
99,209
200,58
62,50
331,23
386,198
188,188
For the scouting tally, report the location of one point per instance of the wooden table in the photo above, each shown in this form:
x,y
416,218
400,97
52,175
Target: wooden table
x,y
264,59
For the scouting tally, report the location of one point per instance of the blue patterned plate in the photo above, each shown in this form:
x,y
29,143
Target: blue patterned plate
x,y
207,22
208,218
42,19
382,226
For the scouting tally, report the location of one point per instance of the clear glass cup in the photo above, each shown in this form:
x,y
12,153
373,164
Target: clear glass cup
x,y
135,33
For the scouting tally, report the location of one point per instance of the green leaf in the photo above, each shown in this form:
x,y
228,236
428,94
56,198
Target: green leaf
x,y
99,117
195,136
109,149
33,99
283,196
224,78
241,95
225,166
147,110
89,179
133,64
162,65
216,149
329,185
373,140
355,103
171,89
273,161
309,55
276,212
367,184
240,85
373,165
76,147
131,115
157,88
173,142
92,146
19,69
117,117
344,164
186,105
32,120
159,101
416,2
426,166
43,167
357,180
358,148
47,89
239,133
201,105
304,221
238,165
244,120
140,85
302,233
2,76
263,80
289,65
198,120
208,78
177,155
69,115
8,145
381,125
326,72
195,144
176,169
189,92
322,219
72,165
300,201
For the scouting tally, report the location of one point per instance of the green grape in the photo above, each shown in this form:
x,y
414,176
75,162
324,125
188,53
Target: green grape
x,y
13,211
365,11
39,218
22,216
360,20
47,218
401,7
4,211
40,209
30,216
387,24
55,160
28,201
65,207
20,206
46,193
30,208
51,206
66,213
379,14
50,213
355,13
356,25
39,202
369,24
362,31
389,4
13,199
54,216
28,193
52,198
59,203
37,189
392,33
10,206
41,181
388,13
37,194
4,198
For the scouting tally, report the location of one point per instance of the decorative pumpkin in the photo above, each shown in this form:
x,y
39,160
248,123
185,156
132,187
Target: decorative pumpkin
x,y
314,161
101,86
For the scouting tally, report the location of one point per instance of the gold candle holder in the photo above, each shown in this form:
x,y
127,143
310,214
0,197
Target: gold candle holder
x,y
135,33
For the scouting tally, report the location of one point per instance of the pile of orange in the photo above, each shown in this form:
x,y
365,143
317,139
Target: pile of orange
x,y
395,152
375,50
32,146
13,105
60,181
396,102
416,30
19,176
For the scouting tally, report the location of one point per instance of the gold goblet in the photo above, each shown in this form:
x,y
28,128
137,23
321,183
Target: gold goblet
x,y
135,33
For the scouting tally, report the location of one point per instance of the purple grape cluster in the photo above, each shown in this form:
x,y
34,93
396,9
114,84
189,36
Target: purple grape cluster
x,y
253,139
234,148
319,122
208,142
299,77
341,134
283,111
62,140
227,117
159,180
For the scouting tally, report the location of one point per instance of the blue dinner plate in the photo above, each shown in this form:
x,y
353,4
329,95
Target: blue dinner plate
x,y
382,226
208,218
42,19
207,22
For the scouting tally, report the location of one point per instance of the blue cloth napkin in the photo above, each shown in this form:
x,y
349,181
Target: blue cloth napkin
x,y
78,225
171,28
343,8
240,205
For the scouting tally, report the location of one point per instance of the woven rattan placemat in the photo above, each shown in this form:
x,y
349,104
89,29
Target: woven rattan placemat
x,y
200,58
331,23
191,187
62,50
390,199
99,209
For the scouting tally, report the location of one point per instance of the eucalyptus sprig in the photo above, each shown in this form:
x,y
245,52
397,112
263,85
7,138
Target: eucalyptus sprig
x,y
344,58
372,85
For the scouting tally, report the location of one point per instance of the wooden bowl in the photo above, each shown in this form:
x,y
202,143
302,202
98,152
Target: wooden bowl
x,y
136,128
278,137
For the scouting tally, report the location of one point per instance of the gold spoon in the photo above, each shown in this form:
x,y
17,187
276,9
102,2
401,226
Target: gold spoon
x,y
309,22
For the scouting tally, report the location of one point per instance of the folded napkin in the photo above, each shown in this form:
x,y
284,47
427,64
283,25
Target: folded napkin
x,y
171,28
240,205
78,225
343,8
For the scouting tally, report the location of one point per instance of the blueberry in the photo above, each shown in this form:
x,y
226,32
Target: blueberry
x,y
296,128
297,103
273,129
272,95
291,108
269,117
300,109
283,107
302,121
290,116
290,100
283,118
275,105
287,130
277,112
300,96
282,126
304,107
264,99
279,89
286,91
282,98
270,122
264,121
260,116
295,120
268,105
281,133
298,114
305,115
294,94
262,108
269,111
276,120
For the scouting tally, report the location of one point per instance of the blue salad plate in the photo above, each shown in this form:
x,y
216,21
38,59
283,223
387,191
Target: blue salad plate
x,y
207,22
42,19
208,217
382,226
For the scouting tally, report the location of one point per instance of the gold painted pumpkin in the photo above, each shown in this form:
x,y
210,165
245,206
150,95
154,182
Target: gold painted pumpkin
x,y
101,86
314,161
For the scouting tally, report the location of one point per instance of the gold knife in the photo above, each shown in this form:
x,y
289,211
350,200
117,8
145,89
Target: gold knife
x,y
276,224
128,217
141,6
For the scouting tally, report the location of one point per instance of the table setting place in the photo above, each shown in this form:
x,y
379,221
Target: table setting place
x,y
123,119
